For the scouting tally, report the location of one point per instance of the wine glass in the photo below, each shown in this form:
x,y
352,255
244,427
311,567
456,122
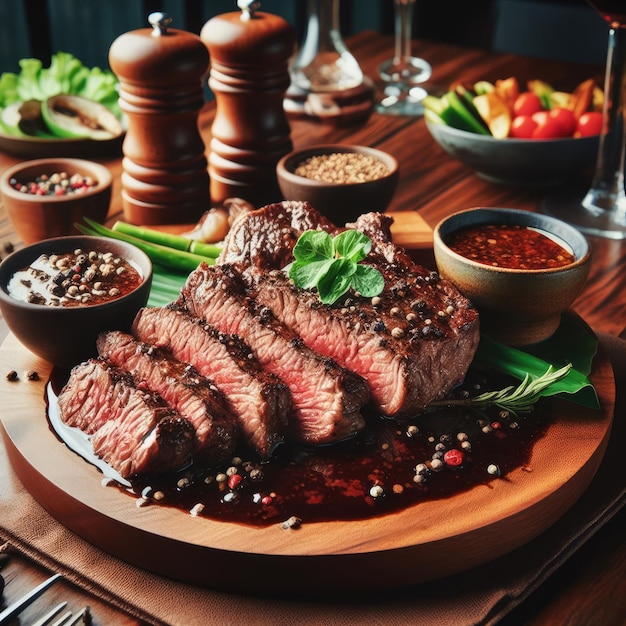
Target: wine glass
x,y
403,73
601,211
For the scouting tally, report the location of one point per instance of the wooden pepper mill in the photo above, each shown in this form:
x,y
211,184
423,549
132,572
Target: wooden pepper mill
x,y
249,52
161,73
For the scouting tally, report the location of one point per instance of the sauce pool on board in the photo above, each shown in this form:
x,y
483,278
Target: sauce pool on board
x,y
510,246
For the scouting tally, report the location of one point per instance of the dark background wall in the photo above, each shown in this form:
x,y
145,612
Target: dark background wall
x,y
561,29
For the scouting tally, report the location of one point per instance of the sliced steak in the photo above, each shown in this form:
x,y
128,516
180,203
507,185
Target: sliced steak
x,y
327,399
412,344
260,400
194,396
133,430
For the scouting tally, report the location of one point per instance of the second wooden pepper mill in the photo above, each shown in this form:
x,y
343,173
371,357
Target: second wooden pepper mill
x,y
161,73
249,53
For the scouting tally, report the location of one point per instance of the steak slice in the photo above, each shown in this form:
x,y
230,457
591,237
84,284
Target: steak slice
x,y
195,397
260,400
327,399
412,344
133,430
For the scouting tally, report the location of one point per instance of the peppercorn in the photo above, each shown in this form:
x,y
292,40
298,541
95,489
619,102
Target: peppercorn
x,y
56,184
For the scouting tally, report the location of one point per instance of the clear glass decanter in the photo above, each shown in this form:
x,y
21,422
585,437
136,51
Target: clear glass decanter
x,y
326,79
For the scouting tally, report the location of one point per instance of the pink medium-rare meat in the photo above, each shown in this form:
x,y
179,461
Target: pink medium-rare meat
x,y
326,399
133,430
412,343
260,400
409,351
194,396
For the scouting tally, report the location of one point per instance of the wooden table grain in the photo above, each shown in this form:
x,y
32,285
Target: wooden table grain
x,y
591,586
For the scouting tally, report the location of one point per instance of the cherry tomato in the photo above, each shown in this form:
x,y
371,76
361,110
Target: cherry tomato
x,y
526,103
566,119
547,127
589,124
522,127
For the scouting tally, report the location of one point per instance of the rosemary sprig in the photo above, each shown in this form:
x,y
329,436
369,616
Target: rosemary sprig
x,y
513,399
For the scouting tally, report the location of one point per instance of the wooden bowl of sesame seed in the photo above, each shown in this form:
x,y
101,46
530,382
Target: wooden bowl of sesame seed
x,y
340,181
46,197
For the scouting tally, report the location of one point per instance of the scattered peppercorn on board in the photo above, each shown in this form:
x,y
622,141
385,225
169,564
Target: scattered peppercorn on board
x,y
423,542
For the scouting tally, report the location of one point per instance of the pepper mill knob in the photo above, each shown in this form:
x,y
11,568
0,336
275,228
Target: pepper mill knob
x,y
249,52
161,72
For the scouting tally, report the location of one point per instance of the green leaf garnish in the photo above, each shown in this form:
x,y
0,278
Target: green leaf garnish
x,y
332,265
513,399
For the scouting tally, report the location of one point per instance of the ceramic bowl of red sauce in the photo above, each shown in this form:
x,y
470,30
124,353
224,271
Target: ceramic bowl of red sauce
x,y
520,269
59,294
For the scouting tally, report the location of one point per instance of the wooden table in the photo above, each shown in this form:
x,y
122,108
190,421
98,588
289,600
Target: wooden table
x,y
591,586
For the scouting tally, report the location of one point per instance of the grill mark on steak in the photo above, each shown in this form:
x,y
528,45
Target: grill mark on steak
x,y
194,396
133,430
260,400
409,348
327,399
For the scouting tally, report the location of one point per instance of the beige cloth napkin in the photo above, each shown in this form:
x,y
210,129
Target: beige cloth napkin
x,y
481,596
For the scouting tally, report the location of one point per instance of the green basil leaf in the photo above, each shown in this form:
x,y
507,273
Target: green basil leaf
x,y
336,280
367,281
352,244
307,275
313,245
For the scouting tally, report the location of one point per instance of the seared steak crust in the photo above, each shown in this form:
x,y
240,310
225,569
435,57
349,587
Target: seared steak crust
x,y
266,237
133,430
327,399
260,400
412,344
195,397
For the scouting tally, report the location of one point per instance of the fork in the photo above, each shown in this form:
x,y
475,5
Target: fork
x,y
19,605
67,619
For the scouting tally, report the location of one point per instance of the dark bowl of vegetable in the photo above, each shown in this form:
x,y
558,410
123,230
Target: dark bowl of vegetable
x,y
527,135
58,295
518,162
46,197
520,269
340,181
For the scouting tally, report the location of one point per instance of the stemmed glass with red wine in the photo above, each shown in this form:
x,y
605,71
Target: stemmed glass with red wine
x,y
601,211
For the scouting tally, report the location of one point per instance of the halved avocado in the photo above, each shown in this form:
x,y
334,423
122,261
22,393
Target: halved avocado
x,y
23,119
10,120
74,117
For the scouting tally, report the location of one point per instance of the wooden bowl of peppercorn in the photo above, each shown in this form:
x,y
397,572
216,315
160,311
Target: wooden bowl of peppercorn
x,y
47,197
521,270
340,181
59,294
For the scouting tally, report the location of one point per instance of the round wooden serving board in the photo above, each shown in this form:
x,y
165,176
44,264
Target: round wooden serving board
x,y
427,541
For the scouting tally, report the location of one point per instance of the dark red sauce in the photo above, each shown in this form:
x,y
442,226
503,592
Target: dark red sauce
x,y
370,475
509,246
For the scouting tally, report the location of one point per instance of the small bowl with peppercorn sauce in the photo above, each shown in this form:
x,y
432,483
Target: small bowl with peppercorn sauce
x,y
340,181
46,197
59,294
520,269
